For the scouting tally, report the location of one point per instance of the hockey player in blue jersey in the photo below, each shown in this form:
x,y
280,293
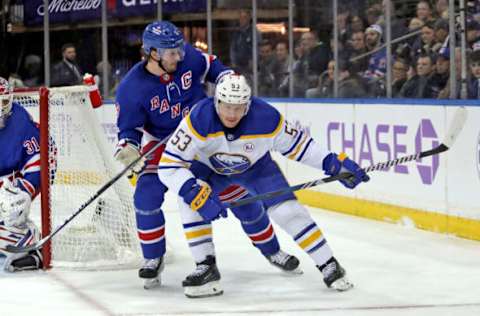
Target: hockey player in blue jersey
x,y
151,101
20,163
227,140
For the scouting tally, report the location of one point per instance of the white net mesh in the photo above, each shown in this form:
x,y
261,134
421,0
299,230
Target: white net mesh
x,y
104,234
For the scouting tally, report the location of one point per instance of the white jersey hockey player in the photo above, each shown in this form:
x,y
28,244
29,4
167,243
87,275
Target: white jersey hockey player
x,y
19,159
227,140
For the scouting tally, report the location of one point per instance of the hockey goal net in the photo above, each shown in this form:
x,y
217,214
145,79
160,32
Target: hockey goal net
x,y
76,161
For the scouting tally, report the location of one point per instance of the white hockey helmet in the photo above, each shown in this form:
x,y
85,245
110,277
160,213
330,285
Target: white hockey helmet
x,y
233,89
14,205
6,98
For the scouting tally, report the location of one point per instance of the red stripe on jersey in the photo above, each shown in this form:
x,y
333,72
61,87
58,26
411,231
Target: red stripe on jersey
x,y
155,234
36,163
153,158
232,193
263,236
8,239
28,186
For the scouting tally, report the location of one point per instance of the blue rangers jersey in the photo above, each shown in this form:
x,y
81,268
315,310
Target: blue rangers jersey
x,y
20,154
230,152
155,105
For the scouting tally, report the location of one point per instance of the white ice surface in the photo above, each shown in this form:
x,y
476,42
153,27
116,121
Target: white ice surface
x,y
396,270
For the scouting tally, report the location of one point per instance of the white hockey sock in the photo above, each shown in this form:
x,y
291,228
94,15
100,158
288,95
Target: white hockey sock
x,y
197,232
294,218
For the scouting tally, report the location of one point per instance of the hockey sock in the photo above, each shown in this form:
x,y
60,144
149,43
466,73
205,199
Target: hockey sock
x,y
294,218
151,231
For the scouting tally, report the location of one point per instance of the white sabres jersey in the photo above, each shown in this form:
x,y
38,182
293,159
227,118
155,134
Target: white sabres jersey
x,y
201,136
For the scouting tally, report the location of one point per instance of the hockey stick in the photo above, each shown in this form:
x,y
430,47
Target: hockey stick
x,y
41,242
455,128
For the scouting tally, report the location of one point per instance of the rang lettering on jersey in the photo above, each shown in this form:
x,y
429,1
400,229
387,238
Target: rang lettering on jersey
x,y
228,164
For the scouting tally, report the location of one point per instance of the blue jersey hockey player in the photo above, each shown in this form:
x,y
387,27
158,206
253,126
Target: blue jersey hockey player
x,y
151,101
227,140
20,163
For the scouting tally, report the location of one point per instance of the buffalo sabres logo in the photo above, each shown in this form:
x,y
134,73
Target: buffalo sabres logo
x,y
228,164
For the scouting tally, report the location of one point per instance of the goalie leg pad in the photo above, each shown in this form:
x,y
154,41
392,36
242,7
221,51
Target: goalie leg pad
x,y
32,261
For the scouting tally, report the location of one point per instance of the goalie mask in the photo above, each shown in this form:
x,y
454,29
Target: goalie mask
x,y
14,205
233,89
6,98
165,38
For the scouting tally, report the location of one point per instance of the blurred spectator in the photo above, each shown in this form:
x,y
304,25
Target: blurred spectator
x,y
425,42
377,63
418,85
399,76
374,13
33,68
439,78
441,28
424,11
445,93
265,75
441,8
324,89
415,24
312,63
280,69
241,44
350,84
474,83
357,48
67,72
473,33
357,24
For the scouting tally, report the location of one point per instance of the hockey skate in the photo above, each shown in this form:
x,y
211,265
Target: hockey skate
x,y
204,281
150,272
334,275
285,262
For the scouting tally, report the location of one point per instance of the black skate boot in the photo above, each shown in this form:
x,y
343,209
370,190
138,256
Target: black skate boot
x,y
334,275
32,261
204,281
285,262
150,272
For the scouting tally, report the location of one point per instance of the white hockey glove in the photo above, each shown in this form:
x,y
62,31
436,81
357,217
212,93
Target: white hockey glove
x,y
126,152
14,205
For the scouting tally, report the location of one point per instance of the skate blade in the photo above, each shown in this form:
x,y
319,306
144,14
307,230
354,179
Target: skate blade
x,y
342,285
151,283
210,289
296,271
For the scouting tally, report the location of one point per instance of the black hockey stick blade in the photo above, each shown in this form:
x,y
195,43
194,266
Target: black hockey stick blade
x,y
41,242
454,130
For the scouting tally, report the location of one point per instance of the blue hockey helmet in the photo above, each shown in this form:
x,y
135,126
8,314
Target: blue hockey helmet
x,y
162,35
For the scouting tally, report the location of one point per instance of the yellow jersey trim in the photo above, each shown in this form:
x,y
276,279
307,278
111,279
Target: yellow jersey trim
x,y
198,233
272,134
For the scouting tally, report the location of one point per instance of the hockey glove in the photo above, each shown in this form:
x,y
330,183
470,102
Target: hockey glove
x,y
334,164
126,152
202,200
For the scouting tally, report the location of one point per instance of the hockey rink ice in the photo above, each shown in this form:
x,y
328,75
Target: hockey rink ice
x,y
397,270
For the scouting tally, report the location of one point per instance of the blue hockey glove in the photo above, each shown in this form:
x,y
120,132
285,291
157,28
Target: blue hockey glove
x,y
202,200
334,164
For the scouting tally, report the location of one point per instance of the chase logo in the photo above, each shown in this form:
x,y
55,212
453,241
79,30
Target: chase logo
x,y
228,164
426,133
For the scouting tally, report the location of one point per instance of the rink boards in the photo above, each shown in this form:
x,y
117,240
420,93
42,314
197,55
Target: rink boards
x,y
438,193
